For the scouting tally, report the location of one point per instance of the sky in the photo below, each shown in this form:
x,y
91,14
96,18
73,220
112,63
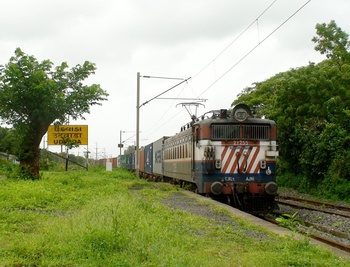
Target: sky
x,y
223,45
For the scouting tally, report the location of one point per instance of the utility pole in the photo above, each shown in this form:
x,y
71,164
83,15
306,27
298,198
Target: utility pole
x,y
96,152
137,161
137,167
120,145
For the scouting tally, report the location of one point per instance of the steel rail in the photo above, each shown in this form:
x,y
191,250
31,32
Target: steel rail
x,y
316,203
324,240
330,242
310,208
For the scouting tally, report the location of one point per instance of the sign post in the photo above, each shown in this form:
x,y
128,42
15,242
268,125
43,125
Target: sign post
x,y
60,134
68,135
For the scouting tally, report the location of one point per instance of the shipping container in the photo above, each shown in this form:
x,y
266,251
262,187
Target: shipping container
x,y
142,159
114,162
149,159
121,161
130,160
158,156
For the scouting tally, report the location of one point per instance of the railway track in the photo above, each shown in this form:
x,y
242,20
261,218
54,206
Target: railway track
x,y
327,223
301,203
317,203
329,241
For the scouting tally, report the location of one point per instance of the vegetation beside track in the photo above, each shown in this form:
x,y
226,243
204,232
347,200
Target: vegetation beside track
x,y
95,219
310,105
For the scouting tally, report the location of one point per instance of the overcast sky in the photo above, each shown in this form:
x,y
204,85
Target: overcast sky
x,y
211,41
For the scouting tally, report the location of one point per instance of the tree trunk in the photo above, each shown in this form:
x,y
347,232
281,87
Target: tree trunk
x,y
30,164
29,155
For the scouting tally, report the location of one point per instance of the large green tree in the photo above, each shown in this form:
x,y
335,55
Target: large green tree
x,y
35,94
311,106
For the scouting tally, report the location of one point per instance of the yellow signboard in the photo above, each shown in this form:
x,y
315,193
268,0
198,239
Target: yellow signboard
x,y
60,134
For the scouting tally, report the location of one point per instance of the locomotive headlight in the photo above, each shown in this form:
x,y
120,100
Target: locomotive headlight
x,y
241,114
268,171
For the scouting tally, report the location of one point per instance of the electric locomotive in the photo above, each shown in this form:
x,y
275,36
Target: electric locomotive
x,y
227,154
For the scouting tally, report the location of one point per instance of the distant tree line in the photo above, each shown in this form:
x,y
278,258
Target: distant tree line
x,y
311,106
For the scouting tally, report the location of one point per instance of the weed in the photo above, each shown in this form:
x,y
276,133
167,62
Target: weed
x,y
289,221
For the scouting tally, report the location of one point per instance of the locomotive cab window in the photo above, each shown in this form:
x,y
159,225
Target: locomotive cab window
x,y
228,132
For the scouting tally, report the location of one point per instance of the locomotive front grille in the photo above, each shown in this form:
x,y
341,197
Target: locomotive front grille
x,y
225,132
256,132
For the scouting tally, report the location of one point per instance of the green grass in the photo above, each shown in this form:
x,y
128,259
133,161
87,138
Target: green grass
x,y
100,218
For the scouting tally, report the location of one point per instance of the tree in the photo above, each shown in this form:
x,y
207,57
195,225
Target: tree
x,y
34,94
311,106
332,42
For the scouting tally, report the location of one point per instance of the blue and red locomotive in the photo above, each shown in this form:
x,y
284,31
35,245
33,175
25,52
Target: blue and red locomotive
x,y
226,154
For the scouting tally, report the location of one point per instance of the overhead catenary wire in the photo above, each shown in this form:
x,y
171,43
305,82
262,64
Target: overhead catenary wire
x,y
164,78
234,40
231,43
251,50
157,97
169,120
185,80
256,21
176,85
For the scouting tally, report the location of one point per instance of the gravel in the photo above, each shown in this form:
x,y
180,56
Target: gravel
x,y
333,227
185,203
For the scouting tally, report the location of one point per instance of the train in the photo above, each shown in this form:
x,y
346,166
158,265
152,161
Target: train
x,y
226,154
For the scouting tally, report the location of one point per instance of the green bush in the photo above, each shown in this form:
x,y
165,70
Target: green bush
x,y
297,182
5,167
334,188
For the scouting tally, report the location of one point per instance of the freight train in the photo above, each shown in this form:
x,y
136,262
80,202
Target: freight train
x,y
225,154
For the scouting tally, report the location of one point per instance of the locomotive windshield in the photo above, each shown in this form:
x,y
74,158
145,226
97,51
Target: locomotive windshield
x,y
227,132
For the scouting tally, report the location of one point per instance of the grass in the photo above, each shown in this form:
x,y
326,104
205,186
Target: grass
x,y
100,218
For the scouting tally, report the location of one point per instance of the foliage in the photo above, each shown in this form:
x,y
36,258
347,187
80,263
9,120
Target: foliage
x,y
289,221
334,188
47,161
4,132
299,182
34,94
332,41
310,105
6,167
104,218
55,162
7,140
